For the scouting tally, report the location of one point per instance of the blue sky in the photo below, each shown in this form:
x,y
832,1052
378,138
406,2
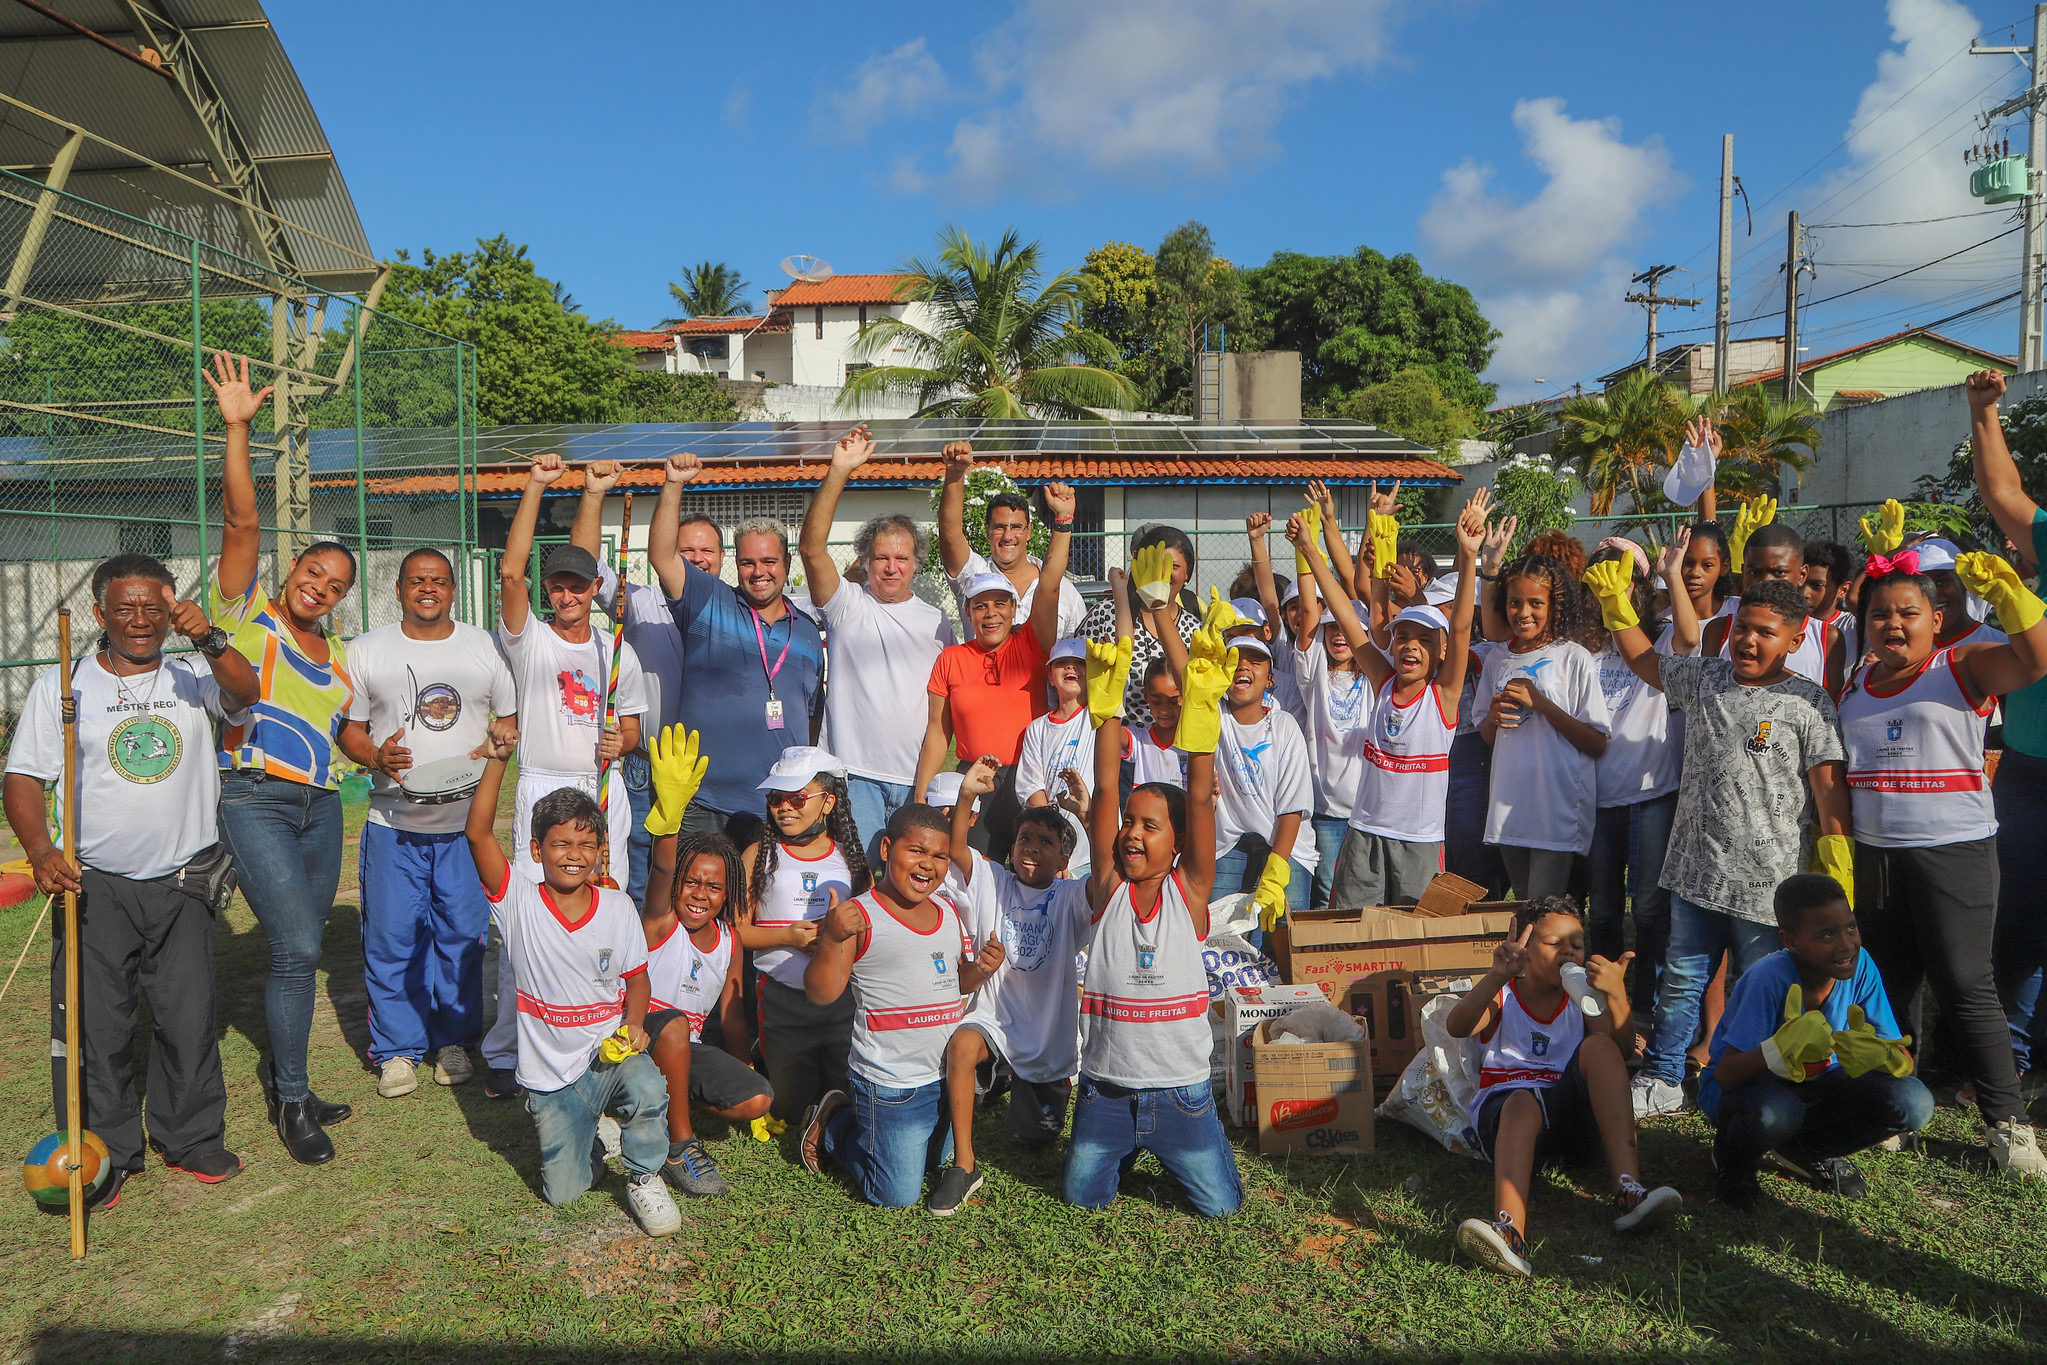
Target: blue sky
x,y
1539,154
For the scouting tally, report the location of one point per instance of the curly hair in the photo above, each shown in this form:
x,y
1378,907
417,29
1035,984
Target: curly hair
x,y
838,824
711,843
1570,607
1534,911
1563,547
863,539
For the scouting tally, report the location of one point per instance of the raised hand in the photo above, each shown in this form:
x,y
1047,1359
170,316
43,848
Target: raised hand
x,y
187,618
1297,532
601,476
1611,583
681,468
1670,564
1319,495
393,758
1404,584
1884,532
1152,570
1471,527
854,449
1075,798
545,470
1986,387
677,771
1108,674
1496,542
1061,500
979,779
991,956
1701,432
1510,958
958,456
1258,524
1610,979
232,395
1386,504
842,920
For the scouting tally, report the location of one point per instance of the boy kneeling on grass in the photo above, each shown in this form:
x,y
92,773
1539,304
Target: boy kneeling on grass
x,y
903,952
1552,1083
580,958
1807,1065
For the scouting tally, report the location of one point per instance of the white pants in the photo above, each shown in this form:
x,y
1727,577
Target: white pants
x,y
501,1044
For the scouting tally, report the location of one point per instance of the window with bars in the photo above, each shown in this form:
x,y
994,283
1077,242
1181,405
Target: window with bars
x,y
729,509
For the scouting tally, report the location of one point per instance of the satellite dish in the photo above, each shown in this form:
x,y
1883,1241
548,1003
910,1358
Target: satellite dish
x,y
809,269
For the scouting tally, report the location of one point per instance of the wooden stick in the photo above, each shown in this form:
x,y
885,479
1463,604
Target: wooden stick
x,y
619,609
74,1124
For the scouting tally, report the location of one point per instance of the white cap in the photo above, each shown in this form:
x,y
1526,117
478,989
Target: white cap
x,y
1440,591
1293,590
1251,644
1072,647
1423,616
1329,617
988,582
1935,552
944,791
1250,608
796,767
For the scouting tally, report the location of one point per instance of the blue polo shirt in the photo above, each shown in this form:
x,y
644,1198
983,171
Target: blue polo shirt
x,y
723,692
1755,1010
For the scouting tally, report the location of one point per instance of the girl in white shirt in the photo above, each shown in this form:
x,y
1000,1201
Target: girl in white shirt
x,y
1058,753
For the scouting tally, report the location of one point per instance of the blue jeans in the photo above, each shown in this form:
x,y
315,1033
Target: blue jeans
x,y
2021,938
566,1122
888,1138
1329,832
639,790
873,802
1240,869
1628,844
1178,1125
1697,938
424,917
1830,1115
286,838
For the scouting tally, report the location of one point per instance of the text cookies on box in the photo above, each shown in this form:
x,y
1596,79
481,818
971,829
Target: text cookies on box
x,y
1244,1008
1314,1098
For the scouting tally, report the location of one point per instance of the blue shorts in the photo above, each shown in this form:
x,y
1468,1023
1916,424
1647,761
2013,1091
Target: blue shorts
x,y
1570,1130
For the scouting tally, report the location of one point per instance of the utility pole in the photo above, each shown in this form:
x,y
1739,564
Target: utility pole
x,y
1652,301
1794,241
1720,303
2030,258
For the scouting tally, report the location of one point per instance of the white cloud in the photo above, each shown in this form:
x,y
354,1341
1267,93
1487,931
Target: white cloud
x,y
892,85
1548,270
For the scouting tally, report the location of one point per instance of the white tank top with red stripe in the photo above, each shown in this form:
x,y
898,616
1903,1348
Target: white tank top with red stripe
x,y
1808,661
1144,1000
906,996
1405,778
1915,759
684,977
1525,1052
799,890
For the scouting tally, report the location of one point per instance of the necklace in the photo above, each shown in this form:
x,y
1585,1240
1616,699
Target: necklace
x,y
128,696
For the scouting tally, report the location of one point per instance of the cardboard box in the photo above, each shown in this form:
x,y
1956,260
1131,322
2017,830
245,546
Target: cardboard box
x,y
1383,965
1312,1097
1244,1008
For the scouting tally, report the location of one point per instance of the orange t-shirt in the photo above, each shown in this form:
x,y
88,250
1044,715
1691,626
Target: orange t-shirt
x,y
994,694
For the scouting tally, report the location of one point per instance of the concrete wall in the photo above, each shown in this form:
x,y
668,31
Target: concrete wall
x,y
1266,384
1874,451
820,403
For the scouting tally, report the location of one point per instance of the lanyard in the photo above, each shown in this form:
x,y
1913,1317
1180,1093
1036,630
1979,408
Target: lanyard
x,y
761,639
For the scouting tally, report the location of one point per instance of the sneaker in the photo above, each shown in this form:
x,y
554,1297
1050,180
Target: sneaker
x,y
1495,1245
398,1076
208,1168
1835,1175
653,1207
1653,1096
690,1169
610,1137
501,1084
953,1188
814,1120
452,1065
1735,1186
96,1201
2014,1148
1639,1210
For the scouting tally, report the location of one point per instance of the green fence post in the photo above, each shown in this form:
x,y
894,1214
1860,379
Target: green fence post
x,y
198,419
362,517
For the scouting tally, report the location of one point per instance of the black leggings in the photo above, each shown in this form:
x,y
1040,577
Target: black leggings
x,y
1930,914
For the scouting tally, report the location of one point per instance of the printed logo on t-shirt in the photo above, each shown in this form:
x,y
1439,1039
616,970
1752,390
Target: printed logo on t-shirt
x,y
1894,729
581,698
1759,742
145,749
696,964
938,963
1538,1043
603,966
437,706
1393,723
809,883
1023,940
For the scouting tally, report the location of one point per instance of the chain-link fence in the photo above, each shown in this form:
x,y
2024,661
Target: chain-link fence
x,y
109,441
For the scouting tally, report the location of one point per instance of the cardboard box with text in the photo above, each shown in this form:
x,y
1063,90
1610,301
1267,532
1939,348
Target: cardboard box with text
x,y
1244,1008
1314,1098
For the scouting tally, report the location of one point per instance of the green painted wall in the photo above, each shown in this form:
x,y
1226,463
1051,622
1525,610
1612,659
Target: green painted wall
x,y
1905,366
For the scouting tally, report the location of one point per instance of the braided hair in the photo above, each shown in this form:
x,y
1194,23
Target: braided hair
x,y
838,825
711,843
1570,607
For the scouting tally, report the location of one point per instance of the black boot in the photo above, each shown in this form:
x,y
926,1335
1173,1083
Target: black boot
x,y
325,1111
303,1136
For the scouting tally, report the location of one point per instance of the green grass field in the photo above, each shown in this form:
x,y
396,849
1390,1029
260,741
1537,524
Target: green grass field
x,y
425,1241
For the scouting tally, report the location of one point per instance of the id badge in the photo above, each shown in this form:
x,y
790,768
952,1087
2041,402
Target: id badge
x,y
774,713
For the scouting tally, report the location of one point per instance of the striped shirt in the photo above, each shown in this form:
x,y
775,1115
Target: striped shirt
x,y
291,731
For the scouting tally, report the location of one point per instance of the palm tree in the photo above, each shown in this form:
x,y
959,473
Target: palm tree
x,y
1761,436
1624,438
1006,342
710,289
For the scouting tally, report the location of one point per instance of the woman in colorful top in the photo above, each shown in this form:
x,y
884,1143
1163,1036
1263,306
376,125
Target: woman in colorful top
x,y
280,805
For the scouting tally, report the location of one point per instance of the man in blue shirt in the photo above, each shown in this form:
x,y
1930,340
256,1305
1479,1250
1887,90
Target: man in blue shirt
x,y
1807,1065
753,683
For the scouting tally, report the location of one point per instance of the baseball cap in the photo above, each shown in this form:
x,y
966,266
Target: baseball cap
x,y
569,559
988,582
944,790
1423,616
1935,552
1250,608
1251,644
1072,647
1293,590
796,767
1329,617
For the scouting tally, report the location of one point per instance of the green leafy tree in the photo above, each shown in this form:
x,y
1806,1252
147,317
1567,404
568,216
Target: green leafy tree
x,y
1944,496
1502,427
1360,319
983,483
711,289
1120,303
1005,342
1412,405
1762,436
657,396
1196,291
536,361
1538,493
1622,440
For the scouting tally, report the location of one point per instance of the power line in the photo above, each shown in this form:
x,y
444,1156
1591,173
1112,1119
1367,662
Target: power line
x,y
1913,222
1917,268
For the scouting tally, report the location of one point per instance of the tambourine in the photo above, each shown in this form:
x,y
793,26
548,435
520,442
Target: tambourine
x,y
441,782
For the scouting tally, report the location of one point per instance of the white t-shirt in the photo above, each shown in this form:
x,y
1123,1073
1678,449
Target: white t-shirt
x,y
561,694
442,694
657,648
148,785
880,656
1035,994
1544,789
1261,773
1338,706
571,976
1072,607
1642,761
1050,747
1151,761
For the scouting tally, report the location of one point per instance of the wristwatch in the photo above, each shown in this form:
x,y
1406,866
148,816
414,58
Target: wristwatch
x,y
214,644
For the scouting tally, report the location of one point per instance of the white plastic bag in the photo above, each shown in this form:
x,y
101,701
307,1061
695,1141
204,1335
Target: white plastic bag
x,y
1229,962
1691,474
1435,1092
1235,914
1317,1022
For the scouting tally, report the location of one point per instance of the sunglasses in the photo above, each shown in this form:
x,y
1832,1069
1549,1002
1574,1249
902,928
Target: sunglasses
x,y
791,798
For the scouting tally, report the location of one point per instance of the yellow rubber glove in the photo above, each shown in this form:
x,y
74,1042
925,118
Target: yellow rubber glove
x,y
1802,1047
1221,614
1270,897
1859,1050
1752,518
1609,583
1834,854
1994,580
617,1047
1201,695
1152,572
1108,674
1385,533
1887,532
1312,514
767,1129
678,773
1208,644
